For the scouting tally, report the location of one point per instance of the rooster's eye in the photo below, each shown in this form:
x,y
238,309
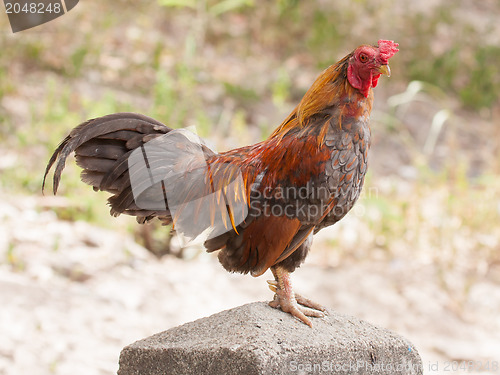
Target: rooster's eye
x,y
363,58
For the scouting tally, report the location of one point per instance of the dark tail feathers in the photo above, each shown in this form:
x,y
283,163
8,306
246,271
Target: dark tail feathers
x,y
102,147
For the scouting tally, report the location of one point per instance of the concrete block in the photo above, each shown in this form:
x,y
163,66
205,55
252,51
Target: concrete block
x,y
257,339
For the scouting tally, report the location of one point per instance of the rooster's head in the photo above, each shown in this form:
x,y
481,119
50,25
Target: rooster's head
x,y
367,63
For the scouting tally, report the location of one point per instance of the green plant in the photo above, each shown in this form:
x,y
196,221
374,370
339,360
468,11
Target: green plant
x,y
281,88
483,84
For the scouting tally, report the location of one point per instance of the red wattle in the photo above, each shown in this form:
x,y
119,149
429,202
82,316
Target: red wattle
x,y
363,85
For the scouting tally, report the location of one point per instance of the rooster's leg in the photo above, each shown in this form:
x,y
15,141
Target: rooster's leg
x,y
291,302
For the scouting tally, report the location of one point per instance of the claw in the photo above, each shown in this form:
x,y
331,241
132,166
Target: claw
x,y
294,304
299,314
308,303
275,302
273,285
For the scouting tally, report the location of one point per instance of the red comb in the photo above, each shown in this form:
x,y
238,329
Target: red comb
x,y
387,49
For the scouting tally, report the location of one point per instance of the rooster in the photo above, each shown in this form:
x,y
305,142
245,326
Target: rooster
x,y
306,176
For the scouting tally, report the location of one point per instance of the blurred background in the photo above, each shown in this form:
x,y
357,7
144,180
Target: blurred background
x,y
419,254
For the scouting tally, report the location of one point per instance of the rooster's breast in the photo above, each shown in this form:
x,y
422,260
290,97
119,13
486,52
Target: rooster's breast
x,y
346,169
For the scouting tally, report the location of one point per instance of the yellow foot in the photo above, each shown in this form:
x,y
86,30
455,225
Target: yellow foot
x,y
290,302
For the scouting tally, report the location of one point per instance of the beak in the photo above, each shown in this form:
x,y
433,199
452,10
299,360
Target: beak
x,y
384,69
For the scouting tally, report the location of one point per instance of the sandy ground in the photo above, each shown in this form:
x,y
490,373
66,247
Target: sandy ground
x,y
73,295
